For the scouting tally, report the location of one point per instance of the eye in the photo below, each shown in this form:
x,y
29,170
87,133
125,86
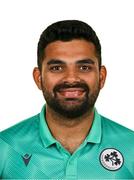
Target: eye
x,y
85,68
56,68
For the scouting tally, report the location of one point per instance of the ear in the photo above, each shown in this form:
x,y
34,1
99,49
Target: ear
x,y
103,74
37,77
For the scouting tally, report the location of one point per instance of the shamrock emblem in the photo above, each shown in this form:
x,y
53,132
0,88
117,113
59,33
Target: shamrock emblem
x,y
111,159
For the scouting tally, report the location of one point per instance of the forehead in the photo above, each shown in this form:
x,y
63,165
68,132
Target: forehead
x,y
70,51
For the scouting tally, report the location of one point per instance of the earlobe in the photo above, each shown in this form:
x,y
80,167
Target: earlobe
x,y
103,74
37,77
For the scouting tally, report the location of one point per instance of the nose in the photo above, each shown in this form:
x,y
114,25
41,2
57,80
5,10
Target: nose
x,y
71,76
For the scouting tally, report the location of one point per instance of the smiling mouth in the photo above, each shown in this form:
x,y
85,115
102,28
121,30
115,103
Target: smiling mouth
x,y
71,92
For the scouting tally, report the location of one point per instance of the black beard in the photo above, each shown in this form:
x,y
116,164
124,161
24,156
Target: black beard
x,y
86,104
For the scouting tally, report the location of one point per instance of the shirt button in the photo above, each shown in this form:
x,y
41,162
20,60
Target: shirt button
x,y
71,162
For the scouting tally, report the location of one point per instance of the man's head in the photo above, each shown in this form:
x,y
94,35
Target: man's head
x,y
69,70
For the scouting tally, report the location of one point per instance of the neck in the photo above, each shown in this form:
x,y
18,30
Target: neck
x,y
63,128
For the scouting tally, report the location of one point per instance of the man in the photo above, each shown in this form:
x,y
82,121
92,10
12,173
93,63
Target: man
x,y
68,139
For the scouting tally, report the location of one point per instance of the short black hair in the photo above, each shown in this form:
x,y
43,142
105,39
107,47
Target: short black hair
x,y
67,30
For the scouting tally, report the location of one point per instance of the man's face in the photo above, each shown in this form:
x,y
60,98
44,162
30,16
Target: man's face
x,y
70,77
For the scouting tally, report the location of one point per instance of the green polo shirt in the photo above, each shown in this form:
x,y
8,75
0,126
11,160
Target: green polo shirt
x,y
29,151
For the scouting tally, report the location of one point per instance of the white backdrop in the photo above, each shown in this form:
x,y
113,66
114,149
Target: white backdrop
x,y
21,23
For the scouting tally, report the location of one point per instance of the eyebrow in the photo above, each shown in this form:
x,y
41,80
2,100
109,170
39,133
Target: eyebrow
x,y
55,61
58,61
85,61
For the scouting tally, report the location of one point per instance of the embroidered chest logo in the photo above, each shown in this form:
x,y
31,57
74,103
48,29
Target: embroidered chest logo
x,y
111,159
26,158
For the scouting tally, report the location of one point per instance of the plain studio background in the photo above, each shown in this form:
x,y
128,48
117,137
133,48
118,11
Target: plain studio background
x,y
21,23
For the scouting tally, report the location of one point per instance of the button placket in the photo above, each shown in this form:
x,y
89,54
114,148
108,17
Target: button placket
x,y
71,168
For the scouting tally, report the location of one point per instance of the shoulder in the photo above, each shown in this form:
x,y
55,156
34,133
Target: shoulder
x,y
117,133
20,131
115,126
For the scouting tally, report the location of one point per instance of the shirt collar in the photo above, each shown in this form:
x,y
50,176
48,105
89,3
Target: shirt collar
x,y
94,135
45,133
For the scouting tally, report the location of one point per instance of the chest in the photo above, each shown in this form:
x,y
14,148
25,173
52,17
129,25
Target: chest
x,y
54,163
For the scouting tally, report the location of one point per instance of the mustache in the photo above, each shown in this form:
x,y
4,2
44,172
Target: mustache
x,y
59,87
